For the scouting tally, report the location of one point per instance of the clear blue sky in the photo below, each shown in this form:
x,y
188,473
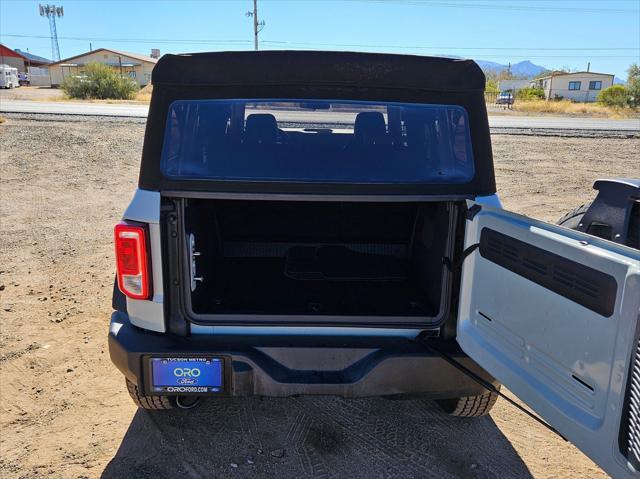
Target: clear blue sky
x,y
552,33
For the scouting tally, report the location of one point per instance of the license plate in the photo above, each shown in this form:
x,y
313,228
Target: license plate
x,y
187,375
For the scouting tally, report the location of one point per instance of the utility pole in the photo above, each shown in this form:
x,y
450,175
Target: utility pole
x,y
257,25
51,12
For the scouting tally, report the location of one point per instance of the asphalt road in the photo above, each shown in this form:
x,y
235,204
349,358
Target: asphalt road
x,y
140,111
70,108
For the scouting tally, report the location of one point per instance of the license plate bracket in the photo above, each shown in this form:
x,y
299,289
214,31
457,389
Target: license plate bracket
x,y
187,375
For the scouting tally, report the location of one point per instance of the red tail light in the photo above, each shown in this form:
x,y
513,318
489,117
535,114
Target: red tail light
x,y
131,260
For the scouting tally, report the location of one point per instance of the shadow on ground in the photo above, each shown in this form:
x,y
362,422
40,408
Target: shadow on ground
x,y
315,437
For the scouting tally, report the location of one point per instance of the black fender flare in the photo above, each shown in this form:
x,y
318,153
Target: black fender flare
x,y
613,207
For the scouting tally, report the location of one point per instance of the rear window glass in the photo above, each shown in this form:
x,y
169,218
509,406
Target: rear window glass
x,y
317,141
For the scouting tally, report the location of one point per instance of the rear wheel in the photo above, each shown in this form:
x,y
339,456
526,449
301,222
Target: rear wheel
x,y
152,403
574,217
469,406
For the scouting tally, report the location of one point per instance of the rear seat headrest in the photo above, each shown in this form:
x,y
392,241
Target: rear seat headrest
x,y
369,127
261,128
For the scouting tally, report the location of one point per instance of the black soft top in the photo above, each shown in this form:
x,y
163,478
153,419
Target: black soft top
x,y
374,70
318,75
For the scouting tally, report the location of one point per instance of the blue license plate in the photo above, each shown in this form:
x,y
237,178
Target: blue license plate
x,y
187,375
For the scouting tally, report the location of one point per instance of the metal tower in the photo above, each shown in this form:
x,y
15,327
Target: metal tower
x,y
51,12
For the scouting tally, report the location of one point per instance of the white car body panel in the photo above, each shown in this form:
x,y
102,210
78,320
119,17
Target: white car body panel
x,y
492,200
566,361
148,314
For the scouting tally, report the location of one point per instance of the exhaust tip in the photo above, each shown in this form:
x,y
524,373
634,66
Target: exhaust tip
x,y
187,402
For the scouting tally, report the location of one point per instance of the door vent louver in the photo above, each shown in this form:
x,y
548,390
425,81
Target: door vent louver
x,y
634,408
582,284
502,248
534,265
571,280
629,438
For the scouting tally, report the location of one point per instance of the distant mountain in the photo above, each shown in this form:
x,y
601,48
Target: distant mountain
x,y
524,69
490,66
521,69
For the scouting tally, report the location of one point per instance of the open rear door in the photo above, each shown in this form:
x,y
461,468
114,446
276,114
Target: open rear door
x,y
553,314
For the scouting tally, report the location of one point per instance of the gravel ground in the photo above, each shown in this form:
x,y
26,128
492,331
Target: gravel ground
x,y
65,412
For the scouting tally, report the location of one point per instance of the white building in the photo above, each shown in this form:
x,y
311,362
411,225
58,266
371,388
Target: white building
x,y
512,85
579,86
136,66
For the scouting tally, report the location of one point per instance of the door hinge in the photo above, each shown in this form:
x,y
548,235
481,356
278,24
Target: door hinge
x,y
193,255
471,213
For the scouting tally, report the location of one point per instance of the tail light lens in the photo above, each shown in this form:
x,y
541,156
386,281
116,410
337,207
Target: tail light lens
x,y
132,261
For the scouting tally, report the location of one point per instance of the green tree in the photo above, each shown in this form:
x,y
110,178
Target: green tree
x,y
491,85
543,74
530,93
101,82
633,85
616,96
546,73
494,78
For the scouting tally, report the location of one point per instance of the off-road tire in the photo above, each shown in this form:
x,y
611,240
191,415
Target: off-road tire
x,y
151,403
469,406
574,217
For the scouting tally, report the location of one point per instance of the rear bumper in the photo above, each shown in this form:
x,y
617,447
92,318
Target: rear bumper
x,y
288,366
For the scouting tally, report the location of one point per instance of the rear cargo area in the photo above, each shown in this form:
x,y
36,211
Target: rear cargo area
x,y
316,258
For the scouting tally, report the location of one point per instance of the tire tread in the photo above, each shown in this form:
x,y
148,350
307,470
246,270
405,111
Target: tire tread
x,y
470,406
152,403
578,211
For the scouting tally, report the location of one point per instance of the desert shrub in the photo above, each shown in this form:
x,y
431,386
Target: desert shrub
x,y
616,96
571,108
633,85
145,93
530,93
101,82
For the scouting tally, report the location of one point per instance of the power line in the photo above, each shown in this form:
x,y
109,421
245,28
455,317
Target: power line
x,y
499,5
323,44
136,40
482,56
425,47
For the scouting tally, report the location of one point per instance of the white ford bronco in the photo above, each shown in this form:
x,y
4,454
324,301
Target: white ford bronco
x,y
327,223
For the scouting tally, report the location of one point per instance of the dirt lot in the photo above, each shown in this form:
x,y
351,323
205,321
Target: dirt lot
x,y
35,93
65,412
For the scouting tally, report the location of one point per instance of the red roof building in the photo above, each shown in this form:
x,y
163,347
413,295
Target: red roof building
x,y
13,59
